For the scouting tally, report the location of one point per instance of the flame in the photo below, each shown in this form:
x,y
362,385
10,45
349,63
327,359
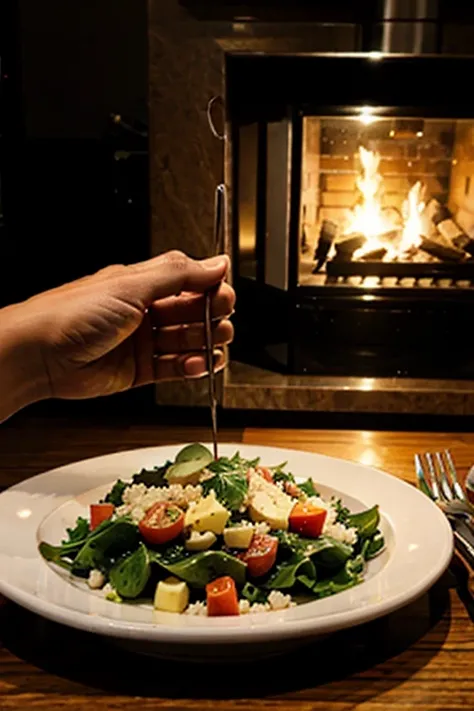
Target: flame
x,y
413,208
369,219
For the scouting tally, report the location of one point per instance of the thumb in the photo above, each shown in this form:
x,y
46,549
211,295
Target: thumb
x,y
172,273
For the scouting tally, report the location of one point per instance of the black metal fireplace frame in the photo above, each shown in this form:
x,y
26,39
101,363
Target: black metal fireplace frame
x,y
271,88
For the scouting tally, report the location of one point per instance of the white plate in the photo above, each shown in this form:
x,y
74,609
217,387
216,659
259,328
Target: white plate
x,y
419,548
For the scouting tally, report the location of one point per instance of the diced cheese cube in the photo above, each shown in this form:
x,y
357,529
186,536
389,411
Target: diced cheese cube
x,y
207,515
172,595
238,536
200,541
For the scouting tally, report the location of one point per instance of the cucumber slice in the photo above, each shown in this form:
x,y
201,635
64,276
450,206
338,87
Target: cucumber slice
x,y
189,462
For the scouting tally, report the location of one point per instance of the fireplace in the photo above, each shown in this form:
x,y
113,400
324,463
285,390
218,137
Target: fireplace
x,y
353,213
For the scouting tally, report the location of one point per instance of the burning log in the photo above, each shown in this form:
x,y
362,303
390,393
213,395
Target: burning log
x,y
346,248
375,255
447,228
445,254
327,235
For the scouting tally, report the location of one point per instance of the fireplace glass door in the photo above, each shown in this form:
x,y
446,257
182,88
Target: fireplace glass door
x,y
353,214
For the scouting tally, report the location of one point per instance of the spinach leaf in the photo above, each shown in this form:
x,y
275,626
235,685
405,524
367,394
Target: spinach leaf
x,y
152,477
373,546
330,553
171,554
279,474
345,578
67,551
55,554
290,543
235,463
105,545
79,532
231,489
130,575
366,522
200,569
115,496
287,572
306,581
342,511
307,487
254,594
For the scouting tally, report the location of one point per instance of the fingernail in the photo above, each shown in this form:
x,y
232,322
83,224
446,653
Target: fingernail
x,y
218,262
217,358
194,366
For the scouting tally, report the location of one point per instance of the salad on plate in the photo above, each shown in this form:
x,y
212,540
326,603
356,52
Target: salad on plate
x,y
218,537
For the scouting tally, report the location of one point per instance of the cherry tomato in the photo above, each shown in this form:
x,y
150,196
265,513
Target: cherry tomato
x,y
161,523
100,513
266,473
221,597
261,555
307,520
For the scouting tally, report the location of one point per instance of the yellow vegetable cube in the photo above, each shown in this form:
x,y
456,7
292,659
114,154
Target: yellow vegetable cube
x,y
172,595
207,515
238,536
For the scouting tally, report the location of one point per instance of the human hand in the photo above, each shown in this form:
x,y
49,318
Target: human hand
x,y
128,325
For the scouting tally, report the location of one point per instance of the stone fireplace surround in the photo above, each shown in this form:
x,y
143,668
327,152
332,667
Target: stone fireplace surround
x,y
186,69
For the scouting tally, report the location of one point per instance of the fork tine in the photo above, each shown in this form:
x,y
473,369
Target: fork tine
x,y
446,489
458,490
433,477
420,474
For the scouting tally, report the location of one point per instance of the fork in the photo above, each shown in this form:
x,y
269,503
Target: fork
x,y
438,479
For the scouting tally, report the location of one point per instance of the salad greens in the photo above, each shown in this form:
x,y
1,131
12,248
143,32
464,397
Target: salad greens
x,y
226,529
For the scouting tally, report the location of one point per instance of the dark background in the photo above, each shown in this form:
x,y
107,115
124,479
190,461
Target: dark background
x,y
66,67
67,205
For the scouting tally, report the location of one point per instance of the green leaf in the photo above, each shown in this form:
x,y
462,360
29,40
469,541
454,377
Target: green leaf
x,y
306,581
307,487
79,532
53,554
202,568
279,475
373,546
234,464
342,511
366,522
290,543
330,553
105,545
152,477
230,489
344,579
287,572
254,594
115,496
130,575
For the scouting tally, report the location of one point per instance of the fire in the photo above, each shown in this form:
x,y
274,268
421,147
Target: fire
x,y
413,208
381,230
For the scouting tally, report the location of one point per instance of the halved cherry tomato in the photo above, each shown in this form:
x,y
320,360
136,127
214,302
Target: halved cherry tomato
x,y
100,513
221,597
266,473
161,523
261,555
307,520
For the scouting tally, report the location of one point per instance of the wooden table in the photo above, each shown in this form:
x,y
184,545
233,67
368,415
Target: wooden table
x,y
421,657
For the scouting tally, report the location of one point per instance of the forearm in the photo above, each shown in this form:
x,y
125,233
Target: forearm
x,y
22,375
